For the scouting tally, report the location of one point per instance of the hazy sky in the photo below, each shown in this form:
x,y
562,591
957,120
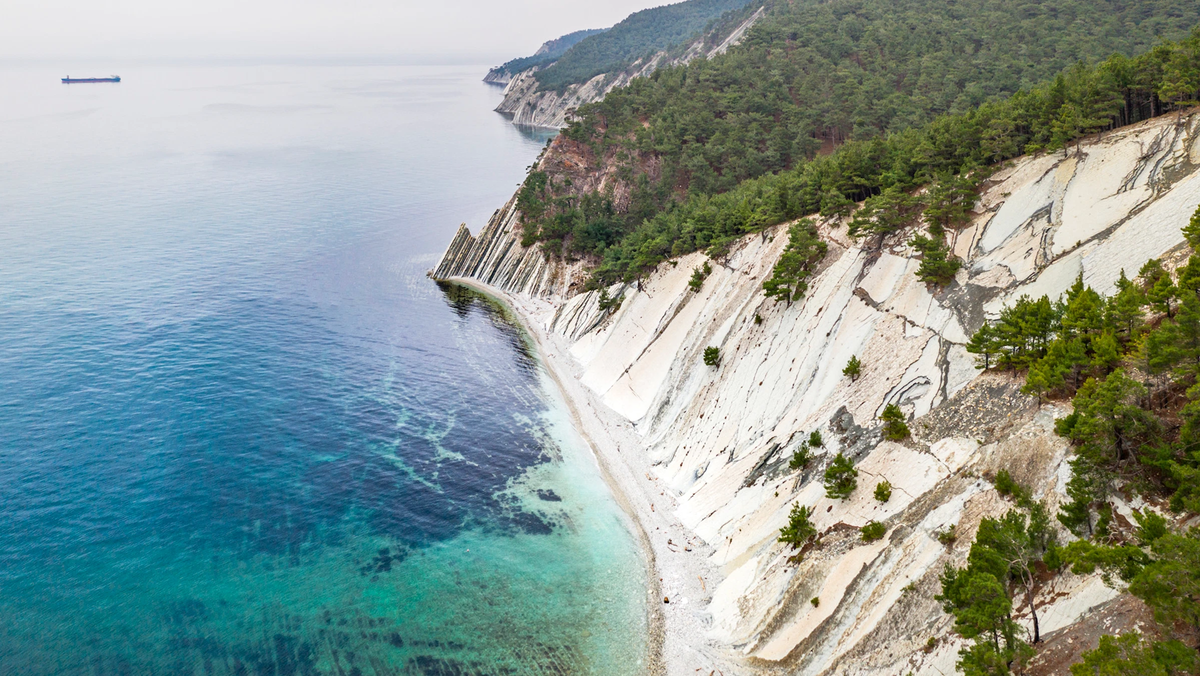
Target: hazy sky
x,y
478,31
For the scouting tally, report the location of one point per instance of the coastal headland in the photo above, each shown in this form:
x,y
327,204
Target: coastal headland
x,y
699,454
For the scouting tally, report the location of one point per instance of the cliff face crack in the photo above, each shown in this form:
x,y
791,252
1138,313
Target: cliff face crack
x,y
1155,179
1143,161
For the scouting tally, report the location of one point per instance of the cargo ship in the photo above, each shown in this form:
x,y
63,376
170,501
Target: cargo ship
x,y
72,80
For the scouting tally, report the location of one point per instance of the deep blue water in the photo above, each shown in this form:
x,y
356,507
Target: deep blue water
x,y
240,431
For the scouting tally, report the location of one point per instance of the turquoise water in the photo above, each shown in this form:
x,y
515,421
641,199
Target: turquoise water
x,y
240,431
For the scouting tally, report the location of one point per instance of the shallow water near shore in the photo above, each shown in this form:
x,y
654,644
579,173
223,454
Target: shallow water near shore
x,y
240,431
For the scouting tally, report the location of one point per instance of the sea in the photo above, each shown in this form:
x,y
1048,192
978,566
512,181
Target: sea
x,y
241,432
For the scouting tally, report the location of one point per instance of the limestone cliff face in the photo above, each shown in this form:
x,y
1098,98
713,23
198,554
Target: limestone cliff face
x,y
721,438
497,258
498,76
550,109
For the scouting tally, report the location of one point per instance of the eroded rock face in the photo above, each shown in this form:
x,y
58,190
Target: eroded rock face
x,y
528,107
720,437
497,258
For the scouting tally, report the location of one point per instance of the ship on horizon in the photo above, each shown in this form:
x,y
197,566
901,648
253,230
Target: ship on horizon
x,y
72,80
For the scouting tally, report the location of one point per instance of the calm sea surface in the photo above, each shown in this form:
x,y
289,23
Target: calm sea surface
x,y
240,431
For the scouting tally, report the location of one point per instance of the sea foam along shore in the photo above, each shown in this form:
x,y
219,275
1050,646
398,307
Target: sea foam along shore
x,y
681,577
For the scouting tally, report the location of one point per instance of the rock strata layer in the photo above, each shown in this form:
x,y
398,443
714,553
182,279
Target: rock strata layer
x,y
718,440
496,258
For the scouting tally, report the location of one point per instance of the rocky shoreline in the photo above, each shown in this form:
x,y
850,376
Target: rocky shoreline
x,y
679,570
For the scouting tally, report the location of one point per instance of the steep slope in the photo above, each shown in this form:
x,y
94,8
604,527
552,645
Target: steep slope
x,y
531,102
646,32
839,100
714,443
550,51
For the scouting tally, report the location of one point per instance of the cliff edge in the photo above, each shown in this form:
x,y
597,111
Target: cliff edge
x,y
526,106
714,443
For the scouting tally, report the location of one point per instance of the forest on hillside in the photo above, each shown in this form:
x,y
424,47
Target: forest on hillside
x,y
553,50
641,34
828,104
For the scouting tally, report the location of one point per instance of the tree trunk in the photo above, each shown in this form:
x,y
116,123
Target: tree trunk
x,y
1037,634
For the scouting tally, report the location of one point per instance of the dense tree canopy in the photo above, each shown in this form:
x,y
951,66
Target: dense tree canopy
x,y
553,50
1129,362
720,148
641,34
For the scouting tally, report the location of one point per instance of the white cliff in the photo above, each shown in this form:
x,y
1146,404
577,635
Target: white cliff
x,y
714,442
526,106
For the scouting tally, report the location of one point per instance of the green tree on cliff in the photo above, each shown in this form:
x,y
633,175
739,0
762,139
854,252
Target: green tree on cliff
x,y
840,478
853,368
803,252
894,426
800,529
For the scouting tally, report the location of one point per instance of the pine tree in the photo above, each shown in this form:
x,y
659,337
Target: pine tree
x,y
949,202
983,344
1068,126
699,274
1044,377
884,214
1023,333
894,426
1106,353
1188,278
834,203
938,265
1108,423
1187,334
1088,484
1017,543
800,457
1191,231
883,491
840,478
1071,356
800,529
1180,76
801,255
712,356
1124,308
1083,314
1161,294
1175,345
982,611
853,368
1150,272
